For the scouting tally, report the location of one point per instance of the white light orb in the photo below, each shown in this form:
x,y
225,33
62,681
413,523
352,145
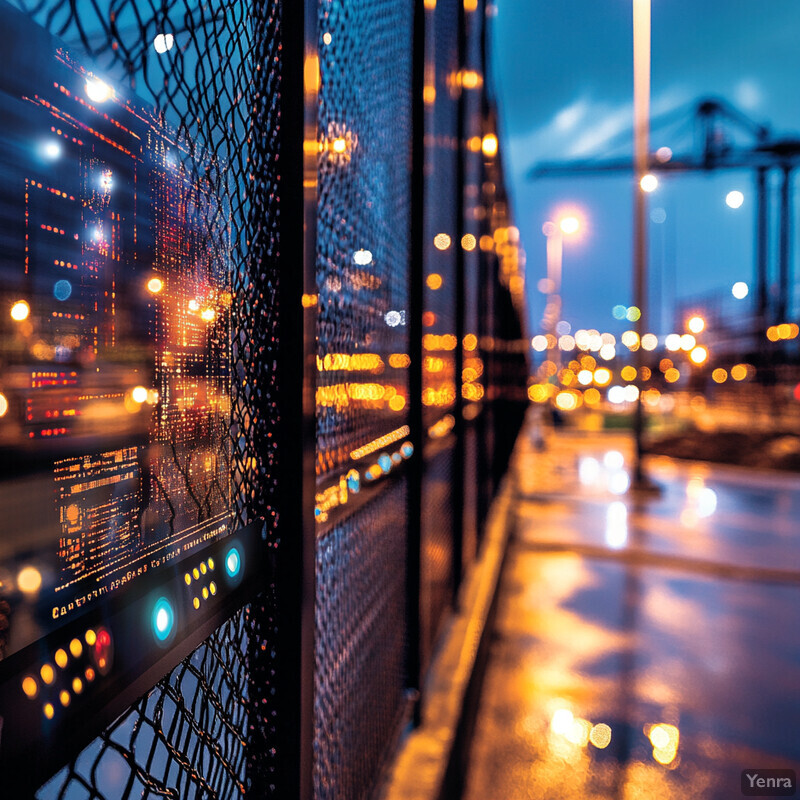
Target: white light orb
x,y
740,290
98,91
649,183
139,394
570,225
734,199
51,150
163,42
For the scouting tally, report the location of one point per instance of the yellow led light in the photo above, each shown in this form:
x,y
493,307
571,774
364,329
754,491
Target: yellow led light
x,y
203,568
90,637
90,674
76,648
213,587
196,602
205,593
196,573
188,578
30,687
61,658
48,673
211,563
49,711
64,697
77,685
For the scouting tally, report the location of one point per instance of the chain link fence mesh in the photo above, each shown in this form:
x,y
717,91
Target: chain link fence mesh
x,y
362,388
212,73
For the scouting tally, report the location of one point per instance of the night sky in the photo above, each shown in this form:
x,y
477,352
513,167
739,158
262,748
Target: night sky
x,y
563,75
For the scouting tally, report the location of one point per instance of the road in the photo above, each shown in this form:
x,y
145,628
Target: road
x,y
670,622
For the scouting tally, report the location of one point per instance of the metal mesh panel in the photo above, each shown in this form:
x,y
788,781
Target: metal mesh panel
x,y
439,380
217,87
186,738
359,654
362,387
362,243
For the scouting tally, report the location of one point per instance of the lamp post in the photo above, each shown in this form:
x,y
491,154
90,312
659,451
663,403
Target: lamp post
x,y
641,148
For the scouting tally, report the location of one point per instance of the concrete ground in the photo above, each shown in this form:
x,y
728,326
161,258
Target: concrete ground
x,y
644,648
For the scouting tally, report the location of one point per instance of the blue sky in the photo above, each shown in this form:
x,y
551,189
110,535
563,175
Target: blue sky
x,y
563,75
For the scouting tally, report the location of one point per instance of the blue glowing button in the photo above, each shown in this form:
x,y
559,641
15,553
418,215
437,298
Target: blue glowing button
x,y
163,619
407,450
385,462
233,562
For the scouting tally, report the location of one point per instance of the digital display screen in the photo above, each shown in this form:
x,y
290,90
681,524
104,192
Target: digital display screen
x,y
115,339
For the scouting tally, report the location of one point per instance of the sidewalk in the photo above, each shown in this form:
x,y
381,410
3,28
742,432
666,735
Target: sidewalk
x,y
643,648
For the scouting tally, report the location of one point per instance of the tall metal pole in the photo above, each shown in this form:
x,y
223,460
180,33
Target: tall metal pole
x,y
784,252
641,147
555,251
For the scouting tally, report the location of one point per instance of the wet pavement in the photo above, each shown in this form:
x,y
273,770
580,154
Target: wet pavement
x,y
644,648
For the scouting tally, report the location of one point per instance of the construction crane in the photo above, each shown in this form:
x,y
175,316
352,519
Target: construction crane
x,y
717,122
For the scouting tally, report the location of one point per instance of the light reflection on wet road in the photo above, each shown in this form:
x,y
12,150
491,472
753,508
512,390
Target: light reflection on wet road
x,y
674,621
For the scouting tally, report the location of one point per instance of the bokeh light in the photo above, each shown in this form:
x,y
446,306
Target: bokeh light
x,y
740,290
734,199
98,91
696,324
20,311
570,225
163,42
434,281
441,241
699,355
649,183
489,145
649,341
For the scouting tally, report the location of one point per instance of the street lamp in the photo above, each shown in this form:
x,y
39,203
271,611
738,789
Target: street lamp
x,y
643,184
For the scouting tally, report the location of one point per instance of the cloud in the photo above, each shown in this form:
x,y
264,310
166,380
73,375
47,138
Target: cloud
x,y
586,128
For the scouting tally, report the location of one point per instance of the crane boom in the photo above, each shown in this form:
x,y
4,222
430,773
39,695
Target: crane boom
x,y
717,152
